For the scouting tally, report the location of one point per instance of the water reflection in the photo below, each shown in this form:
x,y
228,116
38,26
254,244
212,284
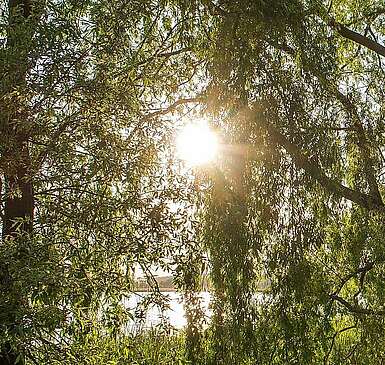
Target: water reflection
x,y
175,313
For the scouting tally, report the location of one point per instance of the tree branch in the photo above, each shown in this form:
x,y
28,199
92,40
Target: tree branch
x,y
53,141
362,141
314,170
301,160
326,358
171,108
355,309
361,270
357,37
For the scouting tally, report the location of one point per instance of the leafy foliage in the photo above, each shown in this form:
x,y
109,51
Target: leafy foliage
x,y
88,90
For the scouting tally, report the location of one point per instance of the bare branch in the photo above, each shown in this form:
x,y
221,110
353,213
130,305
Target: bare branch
x,y
357,37
361,270
326,358
355,309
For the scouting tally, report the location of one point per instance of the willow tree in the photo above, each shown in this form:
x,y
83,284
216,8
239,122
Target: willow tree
x,y
297,88
294,87
83,160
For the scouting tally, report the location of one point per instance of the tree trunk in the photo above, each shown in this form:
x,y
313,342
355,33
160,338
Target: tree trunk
x,y
17,225
18,189
18,212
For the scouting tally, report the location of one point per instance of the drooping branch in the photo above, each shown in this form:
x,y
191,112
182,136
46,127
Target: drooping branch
x,y
312,167
369,16
362,143
355,309
301,160
362,271
362,140
326,358
357,37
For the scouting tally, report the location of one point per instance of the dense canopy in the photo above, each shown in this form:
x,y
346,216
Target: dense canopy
x,y
92,96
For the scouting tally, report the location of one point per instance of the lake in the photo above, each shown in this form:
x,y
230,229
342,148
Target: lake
x,y
175,313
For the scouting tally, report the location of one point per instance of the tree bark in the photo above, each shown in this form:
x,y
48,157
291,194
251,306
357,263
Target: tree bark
x,y
19,202
17,221
358,38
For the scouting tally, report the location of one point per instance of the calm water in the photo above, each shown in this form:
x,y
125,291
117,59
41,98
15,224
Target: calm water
x,y
175,313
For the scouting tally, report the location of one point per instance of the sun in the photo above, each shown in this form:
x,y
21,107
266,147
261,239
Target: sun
x,y
197,144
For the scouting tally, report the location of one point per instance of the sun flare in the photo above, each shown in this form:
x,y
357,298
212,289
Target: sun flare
x,y
197,144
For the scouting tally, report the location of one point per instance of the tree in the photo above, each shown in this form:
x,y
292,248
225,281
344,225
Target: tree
x,y
295,89
299,85
84,150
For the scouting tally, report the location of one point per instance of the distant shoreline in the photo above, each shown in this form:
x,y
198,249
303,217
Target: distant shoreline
x,y
166,284
143,290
